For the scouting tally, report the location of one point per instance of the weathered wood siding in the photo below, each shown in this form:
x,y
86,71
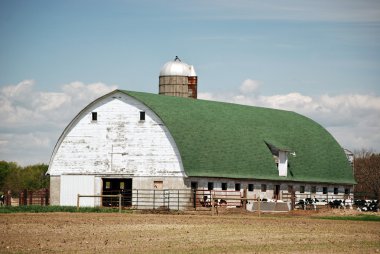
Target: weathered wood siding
x,y
117,142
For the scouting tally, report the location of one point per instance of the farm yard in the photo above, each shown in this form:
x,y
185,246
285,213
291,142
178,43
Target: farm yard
x,y
190,232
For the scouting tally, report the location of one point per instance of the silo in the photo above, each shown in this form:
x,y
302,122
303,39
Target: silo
x,y
178,79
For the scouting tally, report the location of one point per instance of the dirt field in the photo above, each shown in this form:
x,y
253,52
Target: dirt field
x,y
184,233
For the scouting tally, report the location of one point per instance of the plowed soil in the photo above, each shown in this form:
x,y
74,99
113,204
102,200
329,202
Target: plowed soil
x,y
184,233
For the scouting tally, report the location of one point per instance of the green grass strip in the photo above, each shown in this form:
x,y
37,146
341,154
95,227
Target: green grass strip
x,y
51,209
361,217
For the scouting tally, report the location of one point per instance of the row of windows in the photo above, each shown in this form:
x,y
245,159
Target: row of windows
x,y
210,186
94,116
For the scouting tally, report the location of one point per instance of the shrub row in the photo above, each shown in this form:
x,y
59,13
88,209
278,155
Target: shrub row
x,y
52,209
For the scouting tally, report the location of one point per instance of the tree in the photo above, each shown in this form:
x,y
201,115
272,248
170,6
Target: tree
x,y
9,175
16,178
367,173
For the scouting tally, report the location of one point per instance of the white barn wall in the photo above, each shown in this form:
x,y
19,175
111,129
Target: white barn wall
x,y
72,185
116,145
87,146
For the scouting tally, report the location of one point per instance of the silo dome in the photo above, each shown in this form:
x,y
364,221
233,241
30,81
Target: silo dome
x,y
178,79
177,68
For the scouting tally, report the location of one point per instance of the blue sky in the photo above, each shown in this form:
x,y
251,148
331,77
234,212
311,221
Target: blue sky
x,y
318,58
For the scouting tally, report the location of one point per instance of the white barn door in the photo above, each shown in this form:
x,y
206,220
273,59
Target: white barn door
x,y
72,185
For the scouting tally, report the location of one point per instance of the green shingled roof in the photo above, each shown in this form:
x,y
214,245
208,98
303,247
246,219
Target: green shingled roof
x,y
218,139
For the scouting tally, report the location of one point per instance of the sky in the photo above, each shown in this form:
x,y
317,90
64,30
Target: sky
x,y
317,58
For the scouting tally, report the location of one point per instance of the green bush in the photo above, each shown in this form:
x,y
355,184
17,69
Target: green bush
x,y
52,209
360,217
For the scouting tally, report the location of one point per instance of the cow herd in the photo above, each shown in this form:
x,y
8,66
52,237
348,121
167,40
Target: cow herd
x,y
359,204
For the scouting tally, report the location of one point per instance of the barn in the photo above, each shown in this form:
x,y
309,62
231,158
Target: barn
x,y
127,140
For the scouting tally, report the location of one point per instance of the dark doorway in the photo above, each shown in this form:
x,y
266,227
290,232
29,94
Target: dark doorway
x,y
115,186
277,192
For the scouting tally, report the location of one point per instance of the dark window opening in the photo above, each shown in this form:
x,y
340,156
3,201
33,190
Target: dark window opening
x,y
224,186
237,186
324,190
347,191
263,188
250,187
336,190
142,115
313,189
210,186
194,185
94,116
302,189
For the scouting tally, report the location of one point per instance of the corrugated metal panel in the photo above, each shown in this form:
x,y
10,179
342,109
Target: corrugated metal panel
x,y
72,185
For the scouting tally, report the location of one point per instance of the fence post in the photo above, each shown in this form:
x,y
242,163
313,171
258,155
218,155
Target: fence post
x,y
259,202
30,196
212,203
169,200
78,202
195,199
47,195
137,199
119,203
154,199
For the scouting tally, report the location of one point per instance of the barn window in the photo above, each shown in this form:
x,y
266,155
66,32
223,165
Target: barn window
x,y
302,189
194,185
324,190
210,186
94,116
347,191
122,185
224,186
237,186
263,188
142,115
313,189
158,185
250,187
108,185
336,190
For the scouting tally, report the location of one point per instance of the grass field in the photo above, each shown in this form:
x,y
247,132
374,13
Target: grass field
x,y
184,233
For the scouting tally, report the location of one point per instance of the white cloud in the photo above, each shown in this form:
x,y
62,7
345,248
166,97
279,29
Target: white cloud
x,y
249,86
353,119
33,120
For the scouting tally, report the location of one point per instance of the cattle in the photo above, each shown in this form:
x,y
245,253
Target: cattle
x,y
367,205
2,200
307,202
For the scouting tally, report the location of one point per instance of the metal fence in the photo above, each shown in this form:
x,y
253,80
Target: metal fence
x,y
137,199
224,198
38,197
26,197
